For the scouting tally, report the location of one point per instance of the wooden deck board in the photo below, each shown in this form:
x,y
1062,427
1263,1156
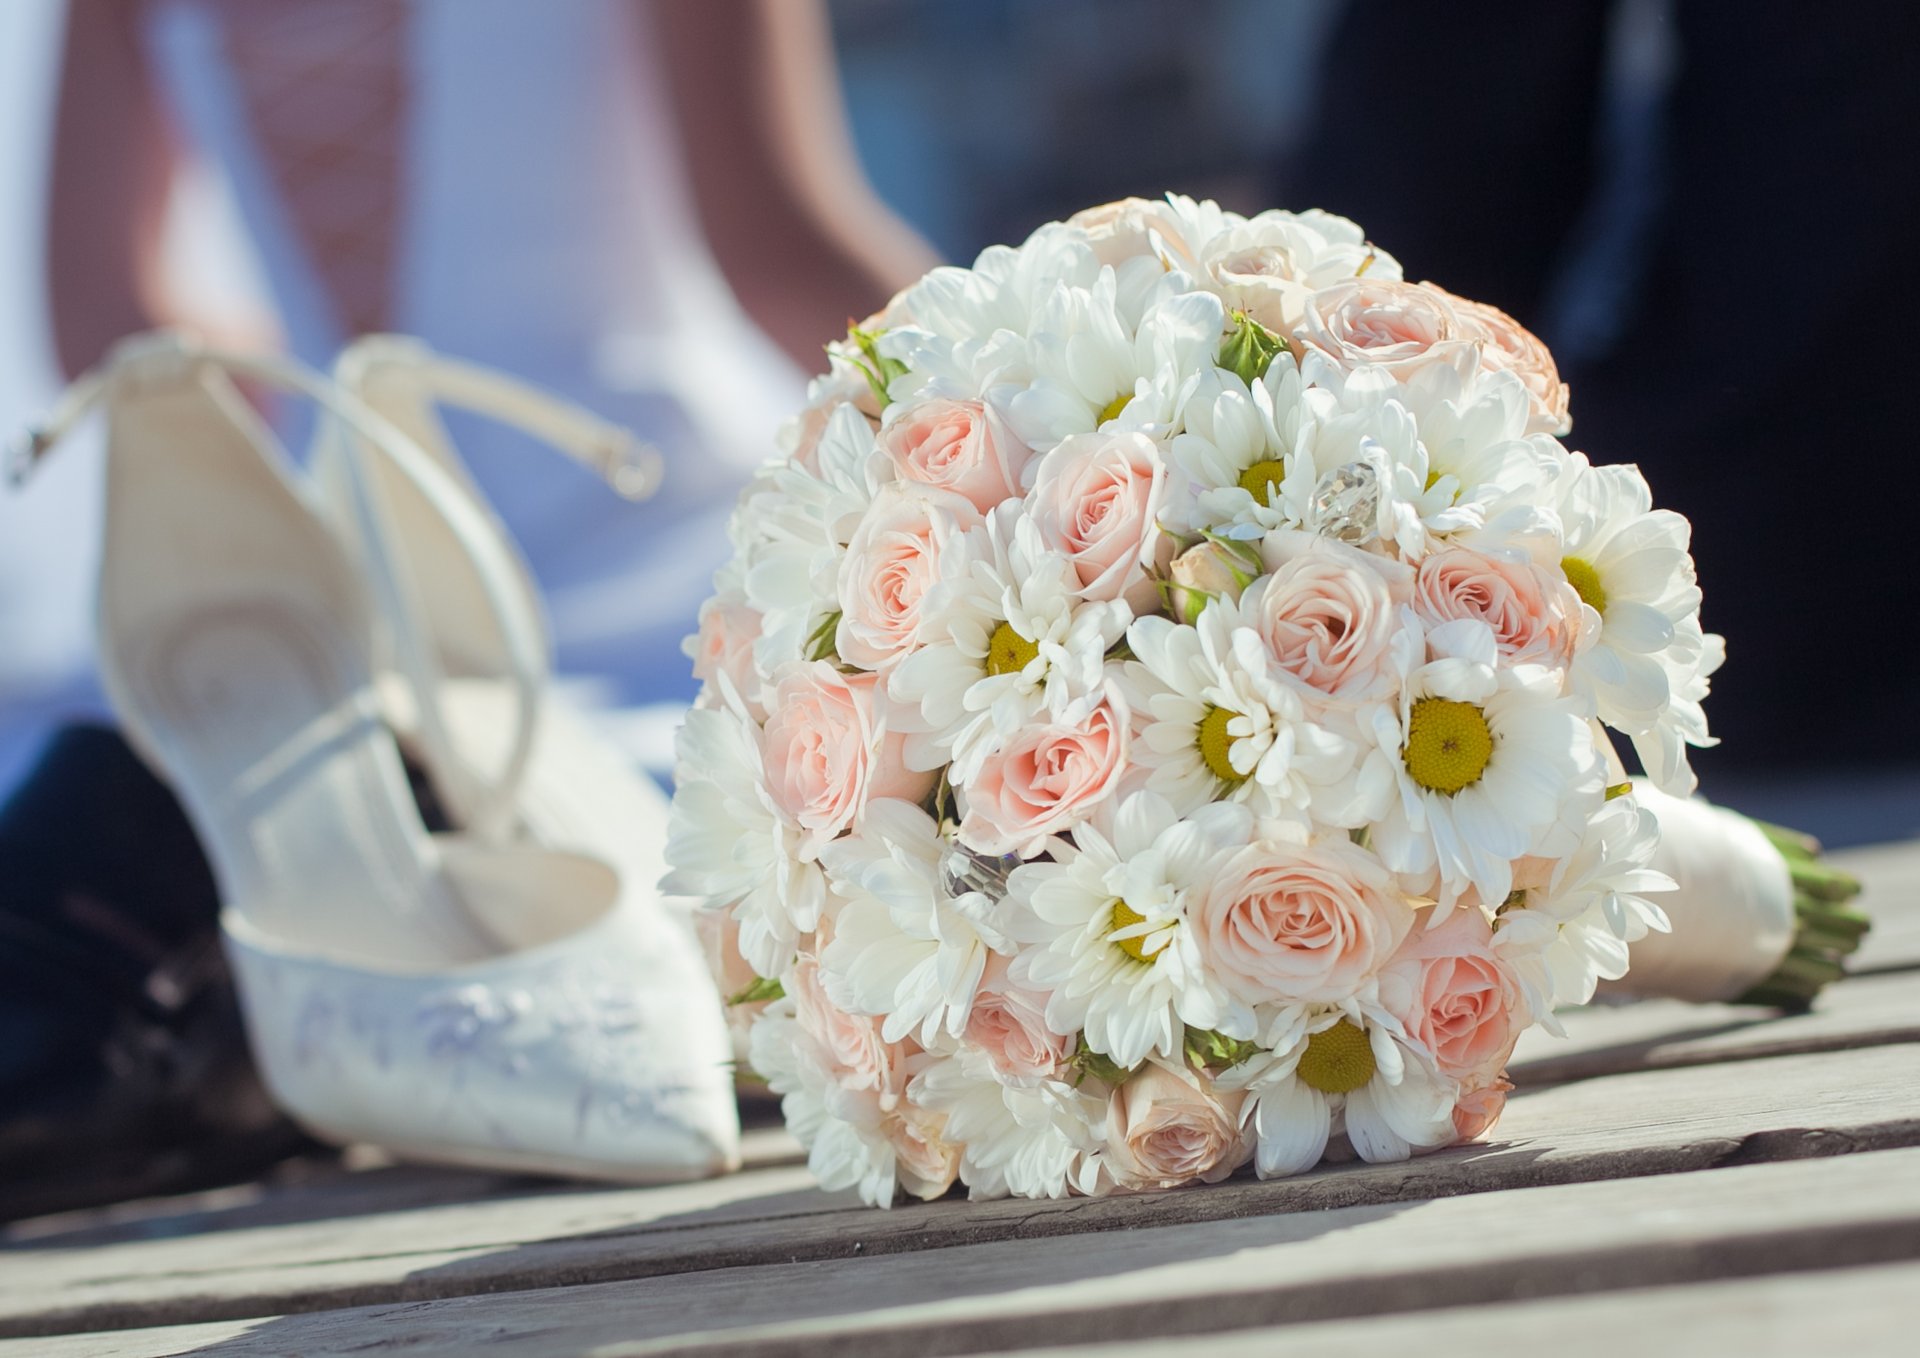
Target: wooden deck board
x,y
1645,1123
1853,1211
1891,875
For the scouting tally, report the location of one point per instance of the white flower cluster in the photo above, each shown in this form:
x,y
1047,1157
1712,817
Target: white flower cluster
x,y
1153,720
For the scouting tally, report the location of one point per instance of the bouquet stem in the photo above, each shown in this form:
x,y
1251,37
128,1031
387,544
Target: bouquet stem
x,y
1828,929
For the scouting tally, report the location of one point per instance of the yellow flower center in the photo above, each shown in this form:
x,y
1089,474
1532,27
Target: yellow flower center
x,y
1262,478
1433,477
1008,652
1216,746
1586,582
1111,410
1125,917
1338,1060
1448,745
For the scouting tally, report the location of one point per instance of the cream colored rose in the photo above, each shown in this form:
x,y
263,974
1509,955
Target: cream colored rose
x,y
828,751
1331,615
1299,923
1508,346
1534,613
1166,1128
890,564
1124,230
1272,264
925,1161
960,446
1395,327
1045,779
1096,500
1455,998
1206,571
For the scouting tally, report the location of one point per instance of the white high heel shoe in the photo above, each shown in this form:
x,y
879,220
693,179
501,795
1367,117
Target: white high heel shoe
x,y
453,998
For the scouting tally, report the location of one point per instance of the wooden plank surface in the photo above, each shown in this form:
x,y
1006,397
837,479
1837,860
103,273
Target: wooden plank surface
x,y
1850,1211
1858,1312
1891,875
1657,1122
1863,1011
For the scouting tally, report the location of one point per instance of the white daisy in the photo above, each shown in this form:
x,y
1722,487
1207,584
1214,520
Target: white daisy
x,y
1648,668
903,946
728,846
1565,934
1106,927
792,526
1004,638
1034,1140
1490,764
1232,451
1096,360
1343,1069
1215,723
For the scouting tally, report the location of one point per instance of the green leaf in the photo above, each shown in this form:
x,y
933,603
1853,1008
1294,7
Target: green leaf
x,y
763,988
1208,1048
875,367
1085,1062
1249,349
821,645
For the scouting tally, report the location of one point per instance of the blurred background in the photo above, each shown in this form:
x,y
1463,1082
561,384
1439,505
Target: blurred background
x,y
1703,208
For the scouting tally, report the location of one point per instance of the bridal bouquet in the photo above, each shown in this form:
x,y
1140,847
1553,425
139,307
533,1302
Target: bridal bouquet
x,y
1156,715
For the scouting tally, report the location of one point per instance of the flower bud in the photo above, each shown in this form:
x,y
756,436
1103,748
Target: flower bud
x,y
1212,568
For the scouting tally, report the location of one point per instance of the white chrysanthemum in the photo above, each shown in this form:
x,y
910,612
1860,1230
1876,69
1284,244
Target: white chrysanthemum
x,y
1343,1069
1035,1140
792,526
728,846
1215,723
1629,562
1107,932
903,948
1004,290
1005,638
1096,360
1447,448
1566,934
1232,451
852,1136
1491,764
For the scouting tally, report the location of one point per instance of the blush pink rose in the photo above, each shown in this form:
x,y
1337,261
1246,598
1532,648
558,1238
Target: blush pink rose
x,y
1393,326
1045,779
1096,500
960,446
1166,1128
1331,616
891,562
1008,1024
1475,1111
724,645
1508,346
828,752
1455,998
1299,923
925,1161
1533,614
856,1056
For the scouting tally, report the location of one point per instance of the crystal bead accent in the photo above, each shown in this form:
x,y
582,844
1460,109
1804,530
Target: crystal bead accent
x,y
1346,503
964,871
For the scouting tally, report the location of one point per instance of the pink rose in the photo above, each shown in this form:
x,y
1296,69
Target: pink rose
x,y
1331,615
1095,500
719,934
828,753
1166,1128
1008,1024
1045,779
724,645
925,1161
1397,327
1534,614
1508,346
857,1057
1455,998
1476,1110
890,563
1124,230
961,446
1299,922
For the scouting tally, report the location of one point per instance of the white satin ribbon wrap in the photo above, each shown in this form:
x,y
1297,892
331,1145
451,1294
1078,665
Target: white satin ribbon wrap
x,y
1733,917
